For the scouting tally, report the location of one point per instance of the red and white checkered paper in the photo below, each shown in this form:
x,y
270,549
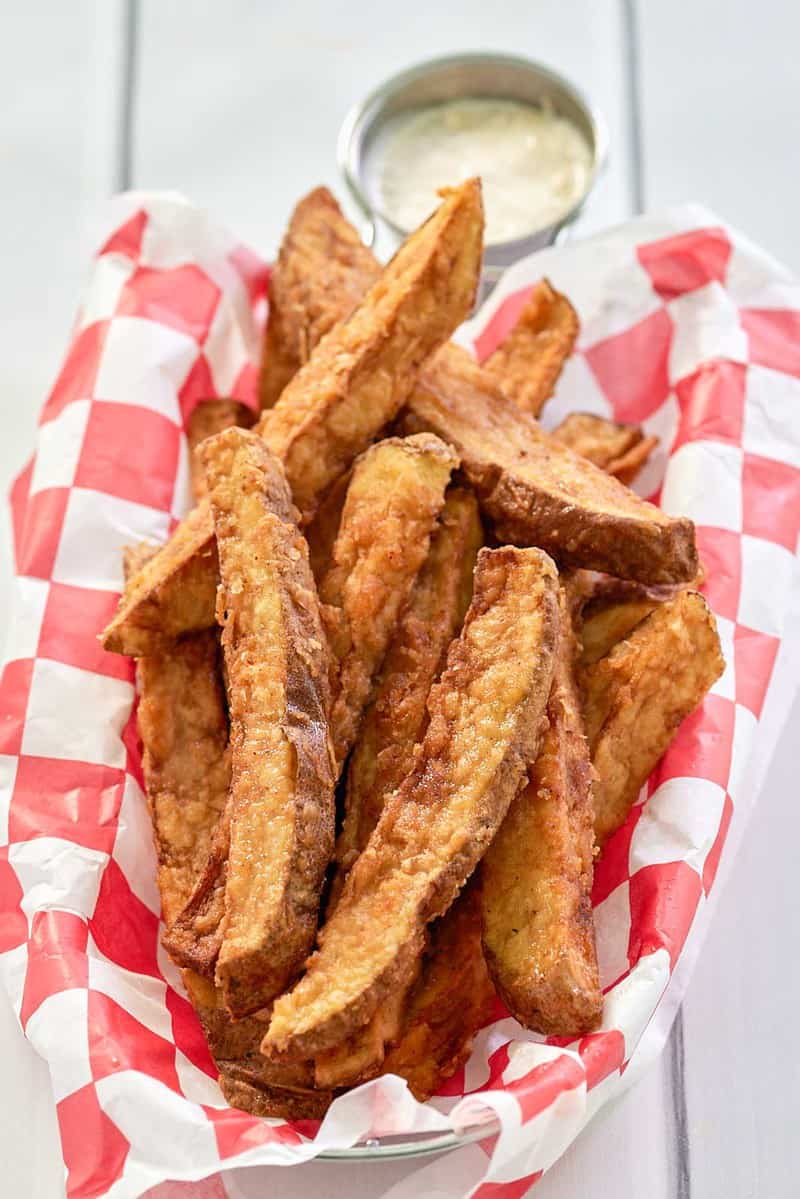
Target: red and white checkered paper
x,y
687,329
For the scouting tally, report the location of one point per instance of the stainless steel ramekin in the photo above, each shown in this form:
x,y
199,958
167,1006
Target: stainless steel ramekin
x,y
476,74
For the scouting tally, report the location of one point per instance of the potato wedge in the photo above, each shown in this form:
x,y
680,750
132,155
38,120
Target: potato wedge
x,y
392,504
637,695
360,373
288,341
604,625
620,450
528,362
538,492
453,999
536,877
485,720
184,729
173,592
207,418
395,721
243,1089
352,385
281,798
194,936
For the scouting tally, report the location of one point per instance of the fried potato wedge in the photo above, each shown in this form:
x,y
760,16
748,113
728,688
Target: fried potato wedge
x,y
395,496
299,314
243,1090
619,450
453,999
173,592
183,725
636,697
207,418
353,384
281,797
603,626
360,1056
485,720
234,1045
528,362
538,492
535,489
194,936
395,720
360,373
536,877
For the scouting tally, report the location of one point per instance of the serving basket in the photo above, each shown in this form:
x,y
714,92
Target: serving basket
x,y
686,329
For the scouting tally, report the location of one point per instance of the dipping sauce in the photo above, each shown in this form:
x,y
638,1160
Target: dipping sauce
x,y
534,164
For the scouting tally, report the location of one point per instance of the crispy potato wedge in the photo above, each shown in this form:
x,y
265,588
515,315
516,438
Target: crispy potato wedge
x,y
485,720
281,797
360,1056
242,1090
535,489
208,418
637,695
528,362
538,492
604,625
395,721
299,315
619,450
536,877
360,373
453,999
183,725
194,936
234,1045
173,592
393,501
352,385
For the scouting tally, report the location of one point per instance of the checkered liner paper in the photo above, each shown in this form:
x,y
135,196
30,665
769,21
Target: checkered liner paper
x,y
687,329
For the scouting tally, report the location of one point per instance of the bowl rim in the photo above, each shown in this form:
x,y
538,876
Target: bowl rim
x,y
356,123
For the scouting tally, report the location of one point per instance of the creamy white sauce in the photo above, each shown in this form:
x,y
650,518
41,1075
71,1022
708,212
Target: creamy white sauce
x,y
534,164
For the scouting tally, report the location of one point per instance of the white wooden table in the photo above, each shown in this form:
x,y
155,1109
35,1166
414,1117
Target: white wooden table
x,y
238,105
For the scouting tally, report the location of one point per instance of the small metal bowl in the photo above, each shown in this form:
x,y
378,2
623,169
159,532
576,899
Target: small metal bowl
x,y
463,75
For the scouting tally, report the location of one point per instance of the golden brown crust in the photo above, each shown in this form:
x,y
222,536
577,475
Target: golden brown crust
x,y
207,418
395,496
528,362
353,385
536,878
538,492
174,592
535,489
194,936
619,450
395,720
184,729
281,798
242,1090
636,697
360,1056
362,371
485,718
453,999
299,316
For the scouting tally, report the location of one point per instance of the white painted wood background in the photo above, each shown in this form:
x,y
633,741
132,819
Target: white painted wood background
x,y
238,105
